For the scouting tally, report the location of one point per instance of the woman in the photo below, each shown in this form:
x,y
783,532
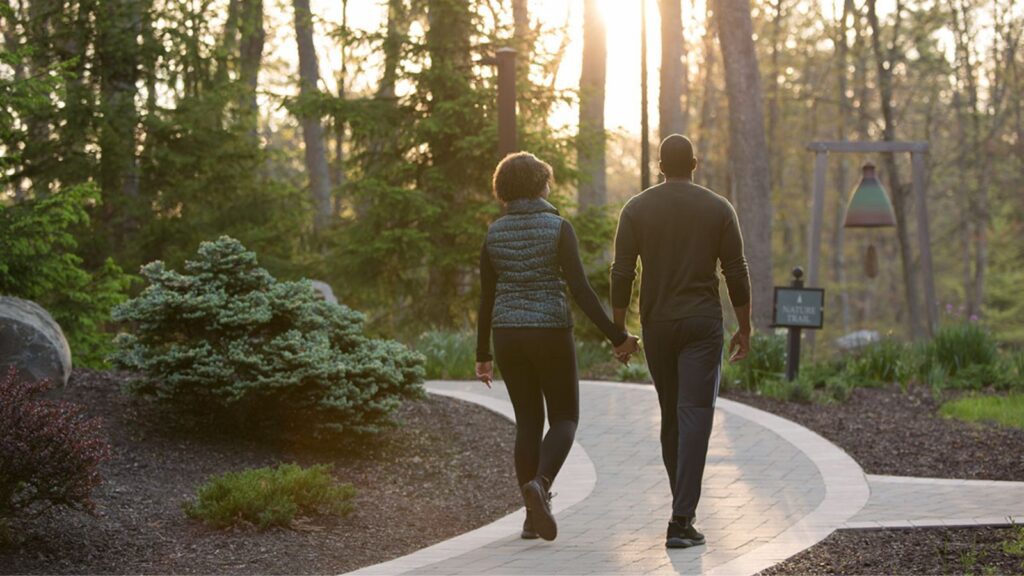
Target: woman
x,y
530,255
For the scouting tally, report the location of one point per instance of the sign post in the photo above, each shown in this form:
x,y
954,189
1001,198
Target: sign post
x,y
797,308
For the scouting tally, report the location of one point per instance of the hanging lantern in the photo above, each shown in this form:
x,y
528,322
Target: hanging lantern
x,y
869,207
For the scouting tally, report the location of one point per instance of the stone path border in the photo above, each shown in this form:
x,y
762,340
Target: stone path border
x,y
578,470
845,497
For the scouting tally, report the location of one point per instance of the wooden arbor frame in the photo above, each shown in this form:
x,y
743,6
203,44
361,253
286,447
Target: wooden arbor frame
x,y
919,176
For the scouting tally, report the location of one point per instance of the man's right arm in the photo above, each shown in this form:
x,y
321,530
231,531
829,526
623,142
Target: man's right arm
x,y
737,279
623,269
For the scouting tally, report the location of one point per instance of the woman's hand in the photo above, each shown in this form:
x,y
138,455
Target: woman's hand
x,y
485,372
626,349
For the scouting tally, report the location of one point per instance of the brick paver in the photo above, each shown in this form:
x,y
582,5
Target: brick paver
x,y
771,489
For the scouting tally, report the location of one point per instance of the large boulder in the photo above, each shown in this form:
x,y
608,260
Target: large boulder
x,y
32,342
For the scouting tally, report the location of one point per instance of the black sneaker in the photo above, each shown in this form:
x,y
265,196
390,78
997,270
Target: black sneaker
x,y
682,535
538,505
528,532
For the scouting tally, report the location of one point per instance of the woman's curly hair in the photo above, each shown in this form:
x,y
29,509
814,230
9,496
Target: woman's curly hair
x,y
521,175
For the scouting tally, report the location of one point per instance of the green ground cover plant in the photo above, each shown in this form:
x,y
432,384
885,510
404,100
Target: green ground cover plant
x,y
1004,410
225,337
450,355
266,497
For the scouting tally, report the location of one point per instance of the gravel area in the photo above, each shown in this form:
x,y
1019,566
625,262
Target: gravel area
x,y
910,551
889,431
445,470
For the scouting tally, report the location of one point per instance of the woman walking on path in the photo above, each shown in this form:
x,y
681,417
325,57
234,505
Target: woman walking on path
x,y
529,257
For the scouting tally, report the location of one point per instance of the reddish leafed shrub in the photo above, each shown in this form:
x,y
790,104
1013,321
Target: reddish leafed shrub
x,y
49,451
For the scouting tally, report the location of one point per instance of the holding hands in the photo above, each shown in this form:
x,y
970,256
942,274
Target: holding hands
x,y
624,351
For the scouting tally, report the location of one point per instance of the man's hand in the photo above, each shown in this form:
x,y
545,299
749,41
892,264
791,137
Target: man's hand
x,y
739,346
485,372
626,349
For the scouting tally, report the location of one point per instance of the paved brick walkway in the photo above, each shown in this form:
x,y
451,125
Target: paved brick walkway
x,y
771,489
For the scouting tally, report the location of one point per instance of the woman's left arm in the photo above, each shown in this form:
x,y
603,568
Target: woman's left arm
x,y
485,314
582,292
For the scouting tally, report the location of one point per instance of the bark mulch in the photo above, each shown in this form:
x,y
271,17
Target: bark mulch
x,y
889,431
910,551
445,470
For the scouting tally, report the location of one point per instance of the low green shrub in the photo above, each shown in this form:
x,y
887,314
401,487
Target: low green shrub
x,y
766,363
267,497
227,338
633,372
796,391
449,355
883,362
957,347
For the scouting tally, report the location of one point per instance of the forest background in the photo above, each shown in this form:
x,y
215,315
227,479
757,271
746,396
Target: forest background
x,y
353,141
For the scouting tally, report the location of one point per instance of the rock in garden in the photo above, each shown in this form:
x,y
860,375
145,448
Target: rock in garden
x,y
32,342
325,291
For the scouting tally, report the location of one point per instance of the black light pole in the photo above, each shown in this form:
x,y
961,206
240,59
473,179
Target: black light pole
x,y
645,147
793,356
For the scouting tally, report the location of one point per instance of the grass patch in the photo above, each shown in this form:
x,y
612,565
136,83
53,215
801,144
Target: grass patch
x,y
1003,410
267,497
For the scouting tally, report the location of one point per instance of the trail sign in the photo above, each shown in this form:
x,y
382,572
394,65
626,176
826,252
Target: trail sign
x,y
799,307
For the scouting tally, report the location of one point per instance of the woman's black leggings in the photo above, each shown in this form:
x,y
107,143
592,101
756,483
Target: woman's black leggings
x,y
539,365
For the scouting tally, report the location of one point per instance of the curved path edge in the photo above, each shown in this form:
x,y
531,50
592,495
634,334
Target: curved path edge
x,y
576,481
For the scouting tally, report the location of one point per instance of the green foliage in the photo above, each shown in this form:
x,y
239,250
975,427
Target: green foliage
x,y
1004,410
449,355
267,497
765,363
1015,546
39,261
635,371
884,362
796,391
226,335
963,355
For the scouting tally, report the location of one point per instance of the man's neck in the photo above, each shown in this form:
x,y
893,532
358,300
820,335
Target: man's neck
x,y
686,179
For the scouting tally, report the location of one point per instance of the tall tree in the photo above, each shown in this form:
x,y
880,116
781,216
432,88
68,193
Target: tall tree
x,y
118,28
886,59
590,155
748,150
671,112
843,105
312,129
250,59
521,27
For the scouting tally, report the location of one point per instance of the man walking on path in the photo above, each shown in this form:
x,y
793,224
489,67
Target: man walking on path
x,y
681,231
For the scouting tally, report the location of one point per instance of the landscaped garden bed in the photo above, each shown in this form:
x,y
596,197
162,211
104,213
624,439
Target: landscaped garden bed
x,y
980,550
902,433
443,471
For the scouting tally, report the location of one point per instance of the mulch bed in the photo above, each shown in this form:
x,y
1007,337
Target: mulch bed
x,y
907,551
888,431
445,470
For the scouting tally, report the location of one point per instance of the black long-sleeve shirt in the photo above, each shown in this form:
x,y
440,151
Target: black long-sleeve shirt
x,y
575,277
680,231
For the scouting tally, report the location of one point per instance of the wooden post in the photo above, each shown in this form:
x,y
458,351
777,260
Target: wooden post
x,y
814,234
920,190
507,136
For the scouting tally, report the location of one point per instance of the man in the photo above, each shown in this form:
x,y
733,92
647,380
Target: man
x,y
681,232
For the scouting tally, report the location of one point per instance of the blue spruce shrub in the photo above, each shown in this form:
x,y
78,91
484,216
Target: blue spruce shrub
x,y
225,335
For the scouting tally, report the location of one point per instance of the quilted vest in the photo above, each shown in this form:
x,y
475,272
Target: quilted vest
x,y
523,247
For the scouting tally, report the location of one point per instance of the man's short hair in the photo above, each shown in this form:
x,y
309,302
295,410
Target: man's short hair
x,y
676,154
521,175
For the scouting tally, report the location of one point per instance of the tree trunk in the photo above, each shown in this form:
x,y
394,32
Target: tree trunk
x,y
523,35
250,59
339,121
119,26
748,149
671,113
885,60
312,129
839,235
590,154
709,99
398,25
